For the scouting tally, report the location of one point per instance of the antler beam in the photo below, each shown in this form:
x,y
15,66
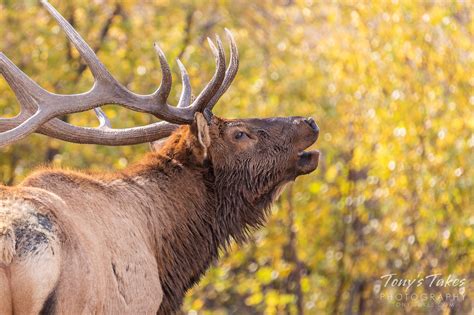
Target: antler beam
x,y
39,108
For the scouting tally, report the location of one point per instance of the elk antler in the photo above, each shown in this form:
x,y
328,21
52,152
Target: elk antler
x,y
39,108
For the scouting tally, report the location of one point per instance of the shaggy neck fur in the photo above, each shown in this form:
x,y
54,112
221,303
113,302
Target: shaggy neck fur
x,y
222,208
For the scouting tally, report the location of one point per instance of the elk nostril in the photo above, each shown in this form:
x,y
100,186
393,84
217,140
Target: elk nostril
x,y
312,124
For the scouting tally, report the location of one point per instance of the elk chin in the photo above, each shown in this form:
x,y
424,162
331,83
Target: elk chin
x,y
307,162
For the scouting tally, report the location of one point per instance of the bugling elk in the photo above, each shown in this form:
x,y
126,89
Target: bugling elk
x,y
135,241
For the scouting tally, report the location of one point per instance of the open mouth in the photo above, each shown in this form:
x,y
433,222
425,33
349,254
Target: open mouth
x,y
307,161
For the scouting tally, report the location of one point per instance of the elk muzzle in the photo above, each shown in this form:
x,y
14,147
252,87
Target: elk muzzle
x,y
307,161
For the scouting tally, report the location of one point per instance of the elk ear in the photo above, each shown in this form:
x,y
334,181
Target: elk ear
x,y
156,146
200,128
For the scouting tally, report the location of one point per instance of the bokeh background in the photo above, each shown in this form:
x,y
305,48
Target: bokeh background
x,y
390,84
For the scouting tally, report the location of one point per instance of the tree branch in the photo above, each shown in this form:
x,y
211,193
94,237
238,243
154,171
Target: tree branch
x,y
103,35
187,32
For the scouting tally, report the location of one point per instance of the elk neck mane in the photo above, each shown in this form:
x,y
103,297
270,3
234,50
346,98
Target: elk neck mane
x,y
224,209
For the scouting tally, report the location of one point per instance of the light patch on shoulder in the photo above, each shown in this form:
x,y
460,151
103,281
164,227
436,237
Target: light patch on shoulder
x,y
12,211
24,226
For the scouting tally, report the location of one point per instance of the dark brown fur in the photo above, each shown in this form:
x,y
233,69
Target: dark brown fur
x,y
188,200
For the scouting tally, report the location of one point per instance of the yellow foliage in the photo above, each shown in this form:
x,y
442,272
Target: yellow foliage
x,y
389,83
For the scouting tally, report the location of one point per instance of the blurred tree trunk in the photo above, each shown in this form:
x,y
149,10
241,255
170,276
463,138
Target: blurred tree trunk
x,y
357,291
291,255
13,163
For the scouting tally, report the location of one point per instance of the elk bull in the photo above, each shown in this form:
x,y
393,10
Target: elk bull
x,y
135,241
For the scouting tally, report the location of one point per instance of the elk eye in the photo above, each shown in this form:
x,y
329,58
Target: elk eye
x,y
239,135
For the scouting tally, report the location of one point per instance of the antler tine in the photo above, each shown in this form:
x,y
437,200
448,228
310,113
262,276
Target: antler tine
x,y
212,46
104,121
211,88
185,98
166,81
95,65
230,73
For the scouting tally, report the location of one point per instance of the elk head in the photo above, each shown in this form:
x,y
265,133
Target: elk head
x,y
252,161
